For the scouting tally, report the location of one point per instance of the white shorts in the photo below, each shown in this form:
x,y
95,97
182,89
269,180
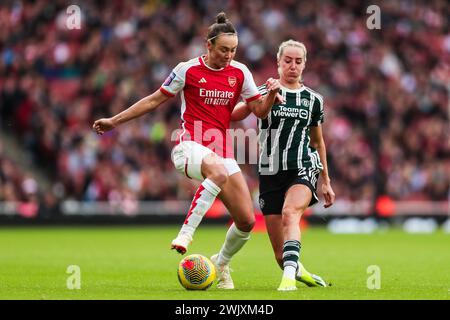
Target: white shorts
x,y
187,157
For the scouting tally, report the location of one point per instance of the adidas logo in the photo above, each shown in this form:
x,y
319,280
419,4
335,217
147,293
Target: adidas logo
x,y
202,80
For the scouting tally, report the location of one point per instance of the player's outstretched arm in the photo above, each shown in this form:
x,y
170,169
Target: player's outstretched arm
x,y
138,109
261,107
318,143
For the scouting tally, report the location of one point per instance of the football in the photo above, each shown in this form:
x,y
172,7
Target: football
x,y
196,272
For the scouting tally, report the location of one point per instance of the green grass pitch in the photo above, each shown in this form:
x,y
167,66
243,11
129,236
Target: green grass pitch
x,y
136,263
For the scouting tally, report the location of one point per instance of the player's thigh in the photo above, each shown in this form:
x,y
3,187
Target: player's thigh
x,y
187,158
212,167
274,226
297,199
235,195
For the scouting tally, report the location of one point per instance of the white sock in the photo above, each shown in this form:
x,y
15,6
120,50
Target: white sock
x,y
234,241
289,272
291,252
203,199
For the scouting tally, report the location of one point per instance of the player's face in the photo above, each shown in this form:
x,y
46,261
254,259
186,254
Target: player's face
x,y
291,64
222,51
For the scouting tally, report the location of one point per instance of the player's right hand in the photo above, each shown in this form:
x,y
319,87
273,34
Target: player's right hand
x,y
102,125
273,85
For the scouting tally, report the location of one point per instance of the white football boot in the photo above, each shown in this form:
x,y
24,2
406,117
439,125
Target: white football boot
x,y
181,242
224,280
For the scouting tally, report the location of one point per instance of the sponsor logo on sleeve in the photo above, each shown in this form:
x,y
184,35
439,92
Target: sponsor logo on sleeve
x,y
169,79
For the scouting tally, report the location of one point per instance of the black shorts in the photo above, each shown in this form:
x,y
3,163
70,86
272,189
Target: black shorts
x,y
273,188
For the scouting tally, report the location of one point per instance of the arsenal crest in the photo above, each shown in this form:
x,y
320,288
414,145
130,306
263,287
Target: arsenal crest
x,y
232,81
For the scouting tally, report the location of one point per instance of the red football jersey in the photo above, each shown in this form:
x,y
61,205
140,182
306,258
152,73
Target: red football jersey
x,y
208,97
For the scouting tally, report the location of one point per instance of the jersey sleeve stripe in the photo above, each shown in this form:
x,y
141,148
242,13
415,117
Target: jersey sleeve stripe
x,y
167,93
262,89
253,98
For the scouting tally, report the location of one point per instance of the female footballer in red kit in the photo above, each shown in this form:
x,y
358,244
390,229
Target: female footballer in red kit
x,y
210,86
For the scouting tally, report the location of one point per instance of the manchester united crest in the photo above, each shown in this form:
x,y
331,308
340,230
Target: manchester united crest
x,y
232,81
261,203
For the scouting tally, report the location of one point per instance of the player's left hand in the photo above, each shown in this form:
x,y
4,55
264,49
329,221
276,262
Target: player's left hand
x,y
328,194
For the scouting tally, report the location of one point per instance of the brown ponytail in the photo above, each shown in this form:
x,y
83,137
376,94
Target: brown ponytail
x,y
221,18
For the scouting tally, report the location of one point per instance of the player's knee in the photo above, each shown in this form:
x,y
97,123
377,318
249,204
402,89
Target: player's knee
x,y
219,175
291,215
291,211
247,225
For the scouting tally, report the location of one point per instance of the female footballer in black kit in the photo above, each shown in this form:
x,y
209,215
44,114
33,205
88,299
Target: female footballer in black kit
x,y
292,155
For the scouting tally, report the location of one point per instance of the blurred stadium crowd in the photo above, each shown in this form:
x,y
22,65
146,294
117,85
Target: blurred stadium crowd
x,y
386,92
